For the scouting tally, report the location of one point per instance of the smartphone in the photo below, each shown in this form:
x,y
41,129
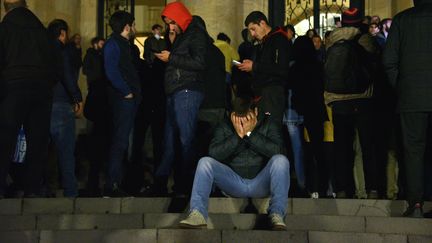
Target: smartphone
x,y
234,62
155,50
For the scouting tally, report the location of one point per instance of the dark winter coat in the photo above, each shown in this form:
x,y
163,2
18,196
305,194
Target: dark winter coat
x,y
408,57
26,54
247,156
271,61
187,59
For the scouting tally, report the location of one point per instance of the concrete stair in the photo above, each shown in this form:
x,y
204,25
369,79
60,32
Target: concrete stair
x,y
146,220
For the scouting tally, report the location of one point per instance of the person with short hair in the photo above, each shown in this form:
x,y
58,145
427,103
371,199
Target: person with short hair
x,y
124,93
245,160
67,103
269,67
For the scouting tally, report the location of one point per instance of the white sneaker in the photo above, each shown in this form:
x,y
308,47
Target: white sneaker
x,y
195,220
315,195
277,222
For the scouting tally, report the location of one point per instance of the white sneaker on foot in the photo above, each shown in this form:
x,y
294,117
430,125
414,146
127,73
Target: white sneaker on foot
x,y
195,220
314,195
277,222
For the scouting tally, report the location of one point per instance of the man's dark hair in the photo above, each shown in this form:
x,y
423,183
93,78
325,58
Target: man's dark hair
x,y
223,37
96,40
242,105
15,4
56,26
255,17
289,27
119,20
156,26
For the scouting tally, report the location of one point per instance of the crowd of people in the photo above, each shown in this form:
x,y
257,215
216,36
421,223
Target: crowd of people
x,y
347,115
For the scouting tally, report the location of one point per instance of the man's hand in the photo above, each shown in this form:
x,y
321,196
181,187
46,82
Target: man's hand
x,y
249,122
78,109
163,56
129,96
237,125
246,65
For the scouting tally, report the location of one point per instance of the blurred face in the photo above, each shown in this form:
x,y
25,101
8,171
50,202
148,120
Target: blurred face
x,y
173,26
258,31
157,31
373,29
129,31
317,42
387,25
77,40
290,34
100,44
375,19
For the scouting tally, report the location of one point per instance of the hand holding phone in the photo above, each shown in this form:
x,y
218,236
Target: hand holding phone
x,y
235,62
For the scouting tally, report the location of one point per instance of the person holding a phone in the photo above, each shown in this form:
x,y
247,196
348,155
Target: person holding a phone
x,y
184,90
269,65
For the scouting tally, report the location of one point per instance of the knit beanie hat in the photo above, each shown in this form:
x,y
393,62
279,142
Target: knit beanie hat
x,y
351,17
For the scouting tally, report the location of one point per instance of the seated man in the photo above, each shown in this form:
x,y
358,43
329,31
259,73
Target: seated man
x,y
245,161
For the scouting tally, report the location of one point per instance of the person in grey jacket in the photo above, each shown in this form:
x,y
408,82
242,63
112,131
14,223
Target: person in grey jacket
x,y
407,60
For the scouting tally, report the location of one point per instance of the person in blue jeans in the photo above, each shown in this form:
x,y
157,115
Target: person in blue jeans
x,y
67,103
123,94
184,88
246,161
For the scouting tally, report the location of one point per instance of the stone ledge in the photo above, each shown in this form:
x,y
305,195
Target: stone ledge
x,y
331,237
93,236
88,221
397,225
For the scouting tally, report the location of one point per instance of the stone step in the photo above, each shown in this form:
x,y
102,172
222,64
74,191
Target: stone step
x,y
296,206
358,224
199,236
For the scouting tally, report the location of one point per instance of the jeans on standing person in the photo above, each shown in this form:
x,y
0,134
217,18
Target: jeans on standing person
x,y
273,180
294,123
181,118
123,117
63,135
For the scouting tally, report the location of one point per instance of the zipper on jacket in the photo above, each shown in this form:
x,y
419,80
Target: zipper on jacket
x,y
277,56
178,74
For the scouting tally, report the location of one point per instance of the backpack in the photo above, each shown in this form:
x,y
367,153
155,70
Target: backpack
x,y
345,68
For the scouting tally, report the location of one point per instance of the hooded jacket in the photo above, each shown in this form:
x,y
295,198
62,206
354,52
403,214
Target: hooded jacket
x,y
187,59
26,53
367,42
271,61
407,57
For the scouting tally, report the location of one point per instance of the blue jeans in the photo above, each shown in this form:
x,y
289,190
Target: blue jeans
x,y
181,119
123,116
63,135
273,180
294,123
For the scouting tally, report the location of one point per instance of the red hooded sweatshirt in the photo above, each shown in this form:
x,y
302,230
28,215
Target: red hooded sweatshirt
x,y
179,13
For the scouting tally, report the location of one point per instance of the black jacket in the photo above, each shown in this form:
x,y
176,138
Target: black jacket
x,y
249,155
187,60
214,79
408,58
96,105
271,61
26,53
67,90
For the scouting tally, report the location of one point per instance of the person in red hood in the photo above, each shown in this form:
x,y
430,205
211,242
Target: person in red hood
x,y
184,90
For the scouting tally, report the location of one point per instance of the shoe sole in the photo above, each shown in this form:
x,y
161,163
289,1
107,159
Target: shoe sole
x,y
279,228
188,226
